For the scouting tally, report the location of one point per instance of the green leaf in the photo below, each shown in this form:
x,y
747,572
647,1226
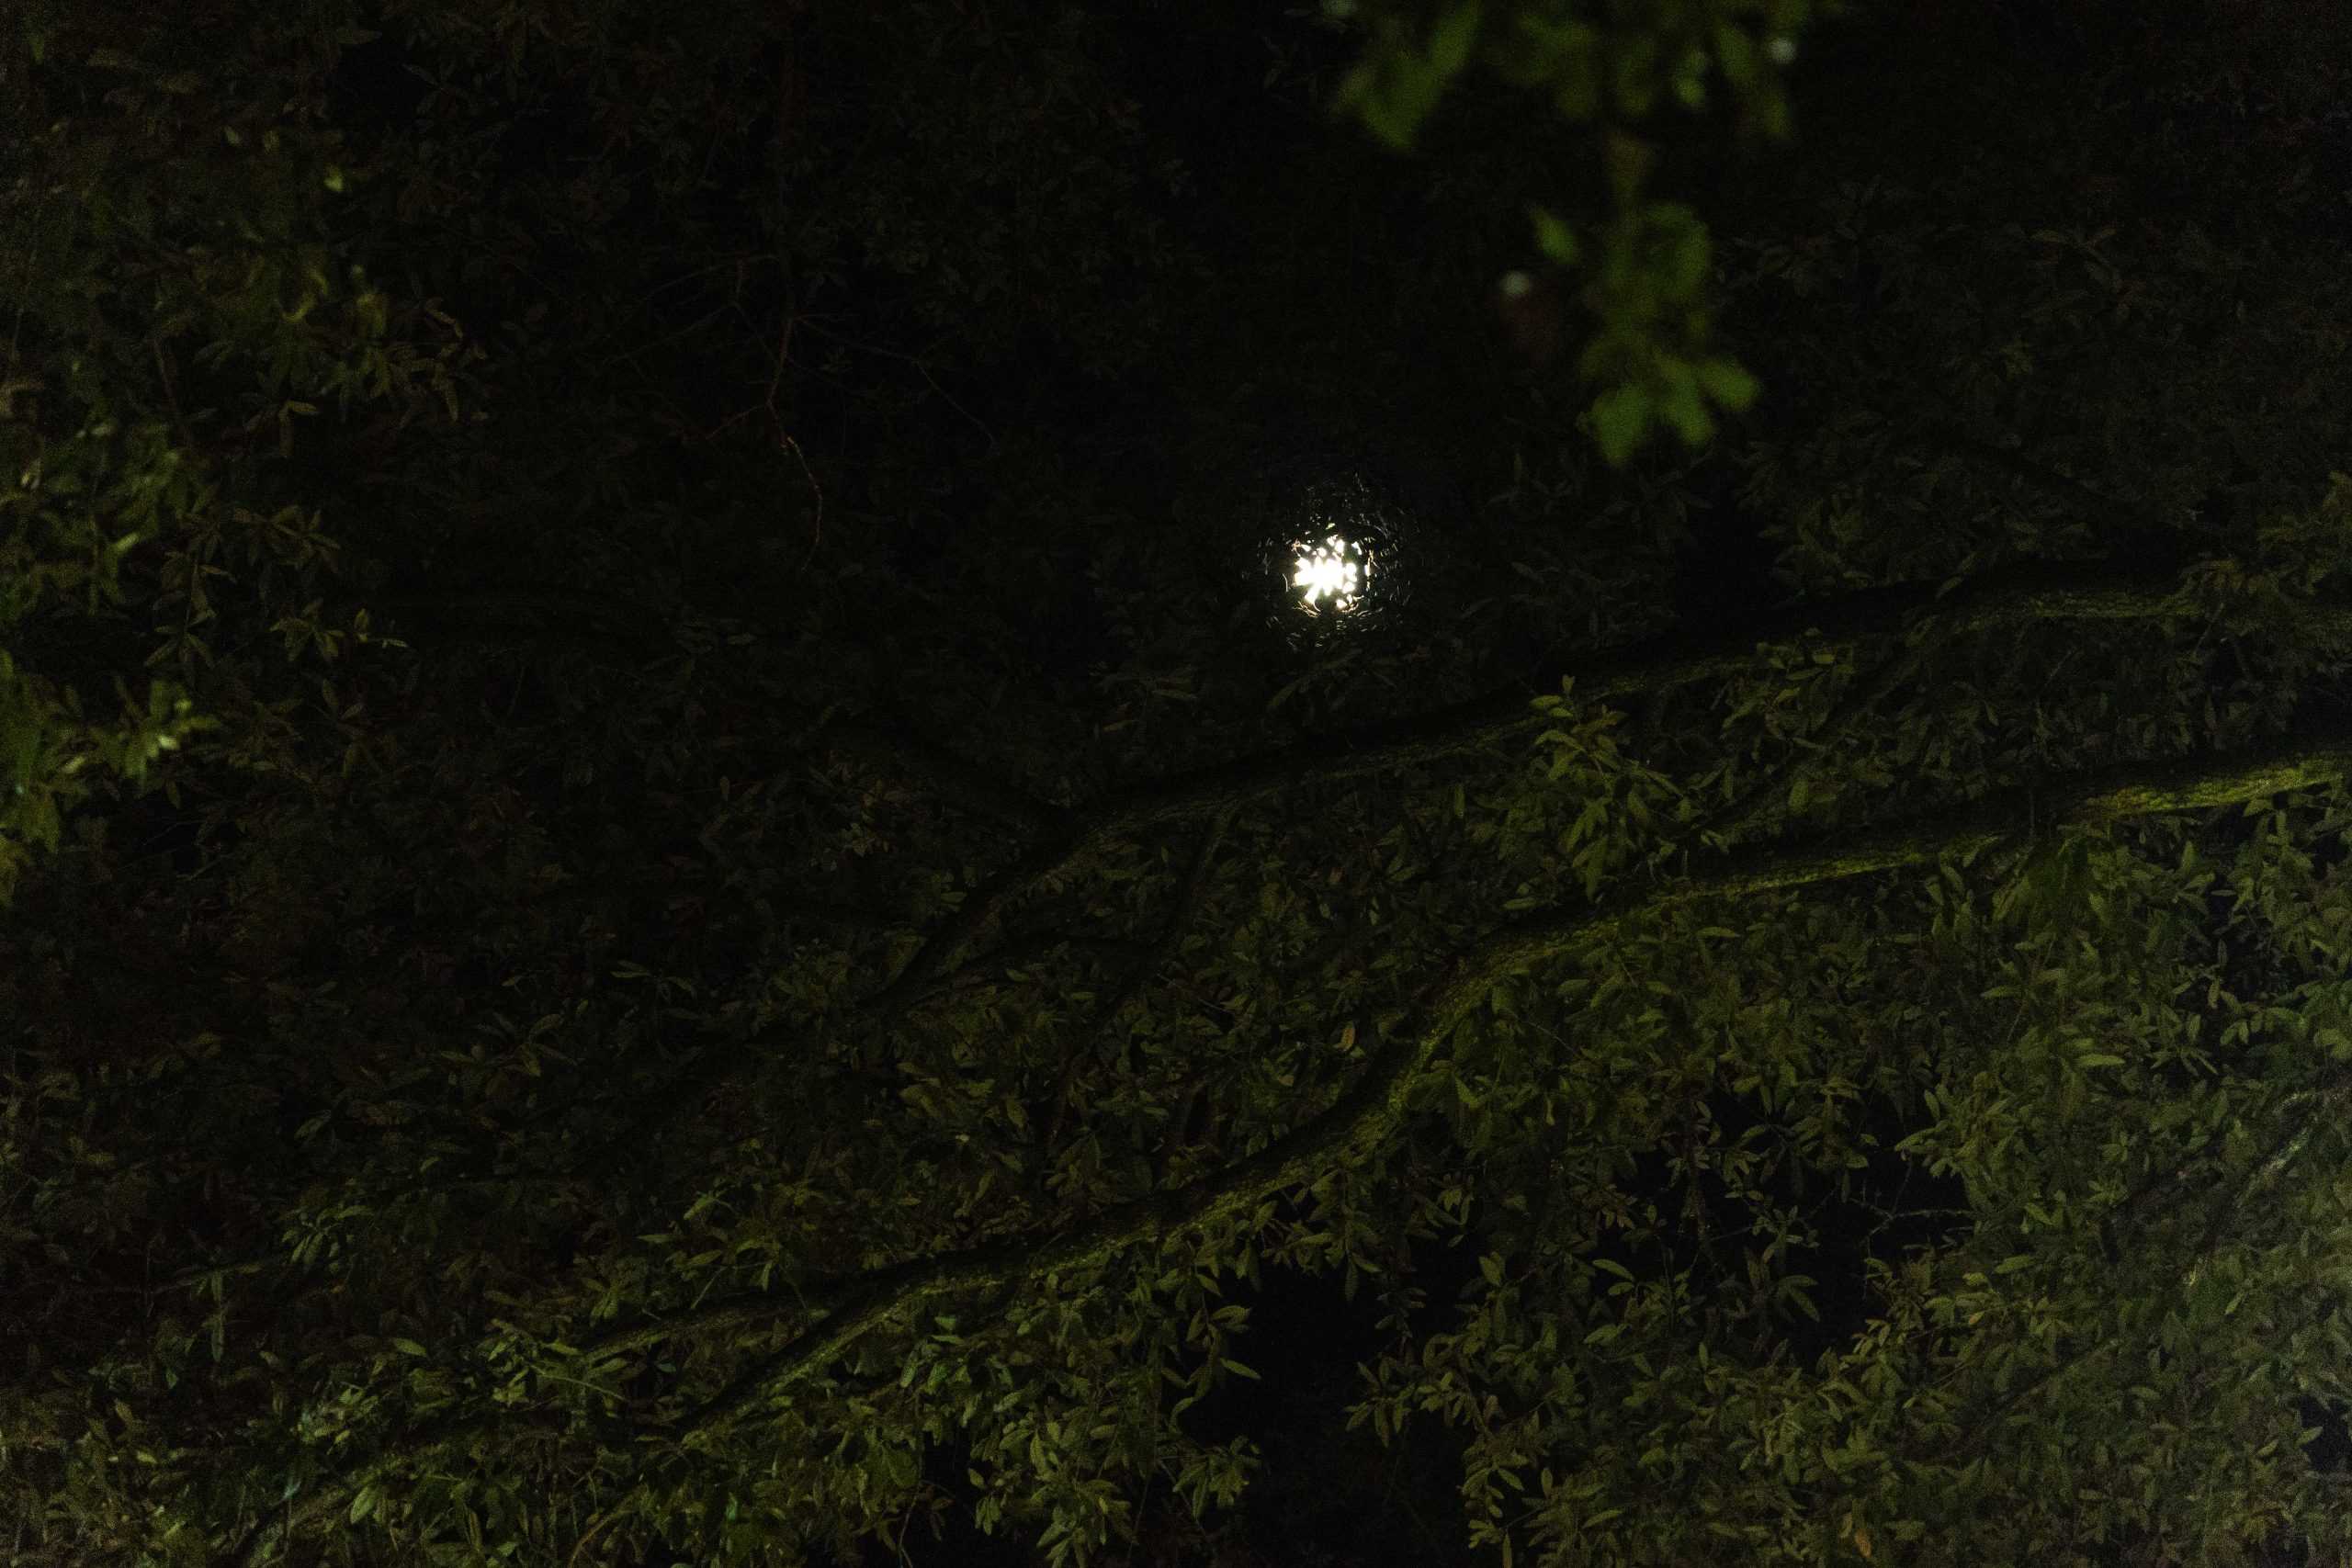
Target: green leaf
x,y
1393,88
1391,96
1553,236
1628,161
1727,383
1576,91
1634,77
1621,416
1684,410
1682,269
1690,79
1457,34
1736,51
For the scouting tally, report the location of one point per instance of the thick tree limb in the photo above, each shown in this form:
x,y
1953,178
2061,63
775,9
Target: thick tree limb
x,y
890,737
1365,1114
2007,598
1368,1112
1952,438
1732,821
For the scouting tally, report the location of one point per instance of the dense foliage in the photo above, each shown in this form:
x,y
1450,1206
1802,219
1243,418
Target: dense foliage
x,y
680,888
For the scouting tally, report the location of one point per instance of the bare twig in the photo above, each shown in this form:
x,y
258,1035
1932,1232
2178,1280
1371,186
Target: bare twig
x,y
171,394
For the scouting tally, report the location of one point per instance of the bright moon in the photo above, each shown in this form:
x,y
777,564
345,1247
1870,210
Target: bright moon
x,y
1329,574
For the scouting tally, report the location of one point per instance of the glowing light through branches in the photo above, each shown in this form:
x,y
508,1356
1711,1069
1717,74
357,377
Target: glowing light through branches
x,y
1329,574
1338,552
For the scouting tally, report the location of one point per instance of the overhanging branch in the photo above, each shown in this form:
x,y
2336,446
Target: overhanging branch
x,y
2009,597
1369,1112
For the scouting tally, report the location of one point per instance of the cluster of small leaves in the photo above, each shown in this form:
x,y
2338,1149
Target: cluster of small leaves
x,y
182,307
1645,285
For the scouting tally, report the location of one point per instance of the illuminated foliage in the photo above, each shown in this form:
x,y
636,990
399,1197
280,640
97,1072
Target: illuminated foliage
x,y
654,1016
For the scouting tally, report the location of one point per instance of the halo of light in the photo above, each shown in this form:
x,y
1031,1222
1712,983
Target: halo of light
x,y
1330,572
1333,550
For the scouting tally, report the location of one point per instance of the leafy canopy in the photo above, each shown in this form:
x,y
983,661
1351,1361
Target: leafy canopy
x,y
714,919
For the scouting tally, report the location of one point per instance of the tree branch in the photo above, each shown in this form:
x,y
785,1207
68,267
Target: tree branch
x,y
543,612
2162,1184
2038,591
2015,463
1367,1113
890,736
2007,598
1733,821
1022,951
